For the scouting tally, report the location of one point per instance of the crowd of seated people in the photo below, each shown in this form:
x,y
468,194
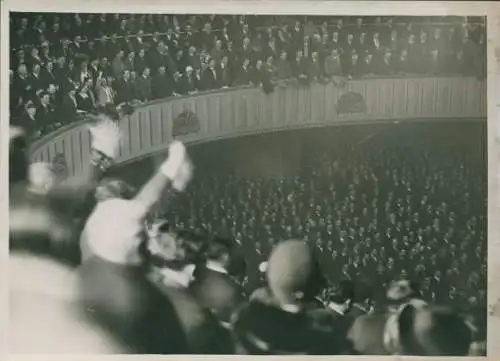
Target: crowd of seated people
x,y
147,285
65,64
392,206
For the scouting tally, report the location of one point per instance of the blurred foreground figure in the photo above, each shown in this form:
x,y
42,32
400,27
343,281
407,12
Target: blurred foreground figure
x,y
213,286
415,329
44,299
275,320
155,316
44,209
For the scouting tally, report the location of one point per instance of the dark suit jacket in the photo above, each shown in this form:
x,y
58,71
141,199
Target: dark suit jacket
x,y
143,88
124,91
151,319
209,80
188,84
68,110
161,86
217,292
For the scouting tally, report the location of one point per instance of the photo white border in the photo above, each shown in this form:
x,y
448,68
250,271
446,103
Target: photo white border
x,y
291,7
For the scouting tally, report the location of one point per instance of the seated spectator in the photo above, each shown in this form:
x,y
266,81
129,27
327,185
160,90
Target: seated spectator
x,y
354,68
34,58
83,73
386,66
105,96
45,115
179,61
22,85
118,65
300,67
333,66
28,122
367,68
45,56
244,76
283,67
105,67
177,83
198,79
48,76
161,84
69,106
141,61
129,62
401,63
188,81
217,53
94,69
315,68
434,62
225,72
211,77
124,88
85,98
36,80
259,76
192,58
143,86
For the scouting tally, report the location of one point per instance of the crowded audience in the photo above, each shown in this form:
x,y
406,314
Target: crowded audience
x,y
65,65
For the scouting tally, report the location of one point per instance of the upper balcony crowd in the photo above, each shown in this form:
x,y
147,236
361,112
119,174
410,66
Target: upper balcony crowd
x,y
65,64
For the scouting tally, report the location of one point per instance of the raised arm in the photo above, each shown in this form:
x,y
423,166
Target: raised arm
x,y
173,176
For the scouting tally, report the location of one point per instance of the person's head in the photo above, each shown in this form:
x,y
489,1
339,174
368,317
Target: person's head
x,y
225,60
31,109
293,273
192,50
126,74
45,99
300,54
350,38
258,64
179,53
177,75
146,72
189,70
218,44
283,55
422,330
161,70
314,56
219,250
342,295
174,249
404,53
354,57
246,41
246,62
387,55
211,63
335,53
133,75
369,57
120,54
110,188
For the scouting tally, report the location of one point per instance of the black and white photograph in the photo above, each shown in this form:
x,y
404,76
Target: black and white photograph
x,y
198,183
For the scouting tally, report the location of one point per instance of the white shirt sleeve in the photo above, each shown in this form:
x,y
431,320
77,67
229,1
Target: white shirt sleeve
x,y
114,231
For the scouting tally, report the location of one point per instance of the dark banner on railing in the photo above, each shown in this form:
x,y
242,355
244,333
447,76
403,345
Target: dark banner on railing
x,y
351,102
185,123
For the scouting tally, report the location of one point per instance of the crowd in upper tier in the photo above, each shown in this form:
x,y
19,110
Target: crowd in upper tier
x,y
65,64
